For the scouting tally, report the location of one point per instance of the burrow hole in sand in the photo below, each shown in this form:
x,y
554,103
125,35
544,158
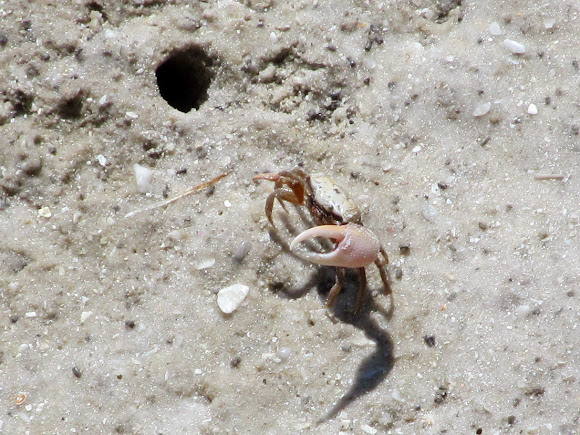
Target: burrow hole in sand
x,y
184,78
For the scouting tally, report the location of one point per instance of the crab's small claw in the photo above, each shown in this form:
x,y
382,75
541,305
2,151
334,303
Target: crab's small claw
x,y
356,245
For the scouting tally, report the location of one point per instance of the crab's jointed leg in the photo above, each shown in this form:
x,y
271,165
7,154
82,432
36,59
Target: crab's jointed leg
x,y
383,272
362,289
281,195
335,290
285,178
294,193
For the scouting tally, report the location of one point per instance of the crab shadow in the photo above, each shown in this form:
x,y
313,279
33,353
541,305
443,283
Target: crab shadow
x,y
374,368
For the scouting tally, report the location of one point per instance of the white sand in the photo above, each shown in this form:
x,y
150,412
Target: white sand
x,y
111,324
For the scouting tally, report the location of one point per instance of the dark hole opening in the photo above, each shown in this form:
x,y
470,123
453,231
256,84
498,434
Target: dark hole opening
x,y
184,78
72,108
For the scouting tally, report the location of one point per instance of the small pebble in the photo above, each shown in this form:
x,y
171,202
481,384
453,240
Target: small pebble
x,y
44,212
549,23
523,310
21,398
532,109
386,166
368,429
102,160
429,212
514,47
142,177
405,248
85,316
427,13
482,109
495,29
398,273
230,298
284,354
206,264
242,251
395,395
76,217
132,115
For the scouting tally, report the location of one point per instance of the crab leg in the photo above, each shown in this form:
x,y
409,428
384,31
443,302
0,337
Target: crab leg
x,y
356,245
267,176
294,193
281,195
284,178
362,289
335,290
383,272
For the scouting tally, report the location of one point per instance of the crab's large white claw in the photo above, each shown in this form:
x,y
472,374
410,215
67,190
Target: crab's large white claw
x,y
357,246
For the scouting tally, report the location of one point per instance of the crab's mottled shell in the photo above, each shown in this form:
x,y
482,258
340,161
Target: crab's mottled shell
x,y
334,199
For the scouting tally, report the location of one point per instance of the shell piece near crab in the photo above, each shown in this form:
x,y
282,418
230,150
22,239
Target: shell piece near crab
x,y
356,245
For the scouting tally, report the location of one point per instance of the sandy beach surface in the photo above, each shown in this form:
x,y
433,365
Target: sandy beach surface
x,y
454,125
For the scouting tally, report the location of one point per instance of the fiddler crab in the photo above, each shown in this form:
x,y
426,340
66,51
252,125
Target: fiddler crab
x,y
337,218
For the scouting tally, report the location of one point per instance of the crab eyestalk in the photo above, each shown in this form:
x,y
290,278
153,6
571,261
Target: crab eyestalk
x,y
356,245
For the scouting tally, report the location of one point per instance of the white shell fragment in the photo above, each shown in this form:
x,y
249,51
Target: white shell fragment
x,y
514,47
44,212
495,29
549,23
368,429
532,109
284,354
482,109
205,264
230,298
143,178
523,310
